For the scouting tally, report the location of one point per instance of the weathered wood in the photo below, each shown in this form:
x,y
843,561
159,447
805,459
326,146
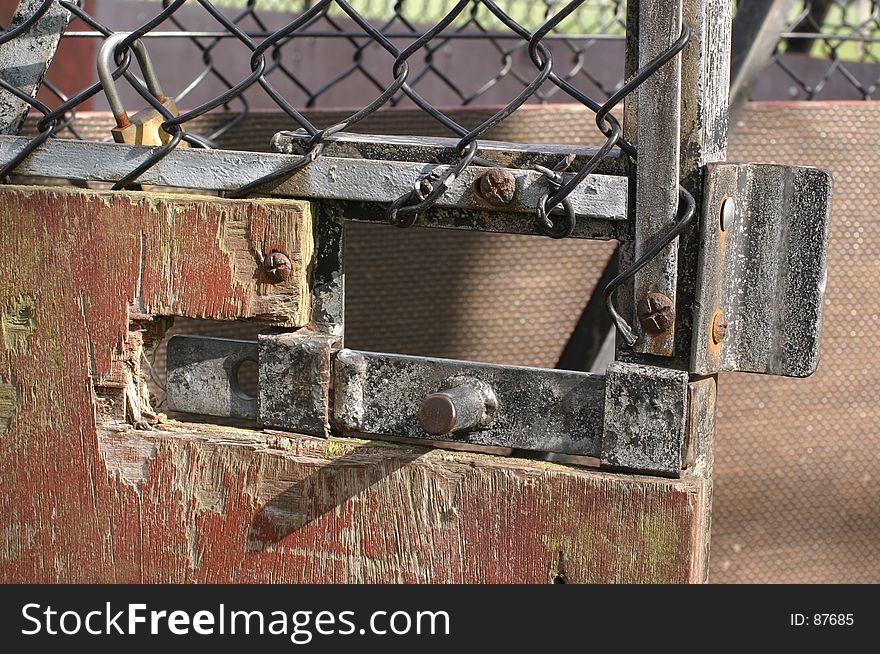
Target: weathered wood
x,y
26,58
163,254
85,497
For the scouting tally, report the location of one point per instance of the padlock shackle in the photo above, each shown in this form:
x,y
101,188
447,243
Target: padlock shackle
x,y
106,65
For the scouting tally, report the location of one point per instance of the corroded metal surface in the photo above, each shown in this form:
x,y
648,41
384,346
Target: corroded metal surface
x,y
203,376
764,274
355,180
645,415
537,409
294,385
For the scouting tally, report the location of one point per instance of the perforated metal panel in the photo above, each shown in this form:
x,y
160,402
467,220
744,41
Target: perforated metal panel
x,y
798,462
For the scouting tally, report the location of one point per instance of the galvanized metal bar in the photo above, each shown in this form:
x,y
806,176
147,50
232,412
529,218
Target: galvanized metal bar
x,y
656,135
601,197
762,269
483,221
202,376
439,149
705,85
536,409
635,418
27,57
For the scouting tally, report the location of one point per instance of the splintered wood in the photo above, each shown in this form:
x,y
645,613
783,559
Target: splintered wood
x,y
86,497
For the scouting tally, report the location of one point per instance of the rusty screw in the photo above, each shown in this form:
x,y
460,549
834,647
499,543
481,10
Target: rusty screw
x,y
656,314
498,187
277,267
719,327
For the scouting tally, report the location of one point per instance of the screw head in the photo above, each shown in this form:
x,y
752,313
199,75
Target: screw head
x,y
719,327
656,314
277,267
498,187
728,214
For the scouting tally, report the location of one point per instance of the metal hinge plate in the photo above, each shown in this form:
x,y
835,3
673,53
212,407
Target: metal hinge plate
x,y
762,269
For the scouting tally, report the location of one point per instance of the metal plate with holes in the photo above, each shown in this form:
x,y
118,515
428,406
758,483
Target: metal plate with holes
x,y
761,273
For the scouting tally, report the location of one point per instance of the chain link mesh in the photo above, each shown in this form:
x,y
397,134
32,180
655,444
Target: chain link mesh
x,y
538,29
830,50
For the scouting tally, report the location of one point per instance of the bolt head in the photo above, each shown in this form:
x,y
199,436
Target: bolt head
x,y
719,327
437,414
656,314
498,187
276,267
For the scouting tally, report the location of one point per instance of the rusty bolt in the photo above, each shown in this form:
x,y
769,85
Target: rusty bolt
x,y
498,187
719,327
277,267
656,314
437,414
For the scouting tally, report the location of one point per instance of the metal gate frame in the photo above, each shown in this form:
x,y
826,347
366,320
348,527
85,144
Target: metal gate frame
x,y
723,264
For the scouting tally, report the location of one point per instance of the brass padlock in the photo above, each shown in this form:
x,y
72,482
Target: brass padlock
x,y
145,126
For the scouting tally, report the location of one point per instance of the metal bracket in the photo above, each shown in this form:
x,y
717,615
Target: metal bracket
x,y
634,418
761,270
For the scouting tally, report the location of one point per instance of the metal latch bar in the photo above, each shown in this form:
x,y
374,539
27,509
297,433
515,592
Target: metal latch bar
x,y
633,418
599,197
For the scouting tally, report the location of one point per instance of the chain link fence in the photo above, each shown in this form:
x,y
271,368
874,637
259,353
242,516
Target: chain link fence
x,y
830,51
406,52
231,57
